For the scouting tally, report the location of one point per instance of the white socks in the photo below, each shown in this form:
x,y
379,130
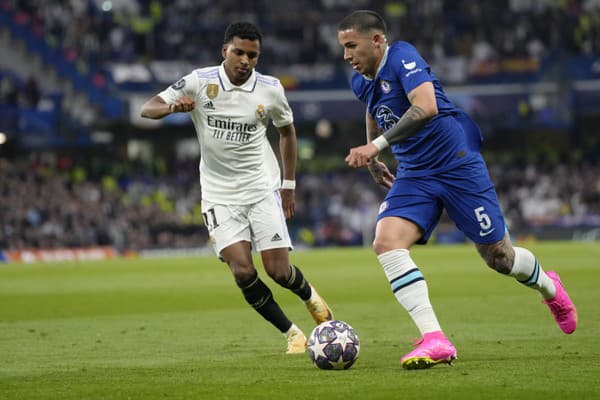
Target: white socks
x,y
528,271
410,288
293,328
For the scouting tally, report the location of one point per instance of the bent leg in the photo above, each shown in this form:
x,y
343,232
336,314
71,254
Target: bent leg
x,y
519,263
277,265
238,257
289,276
522,264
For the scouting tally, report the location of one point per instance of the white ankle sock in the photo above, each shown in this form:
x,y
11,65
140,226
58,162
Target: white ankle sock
x,y
410,288
293,328
313,296
528,271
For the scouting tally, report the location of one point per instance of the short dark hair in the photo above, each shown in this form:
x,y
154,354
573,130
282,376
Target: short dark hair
x,y
243,30
363,21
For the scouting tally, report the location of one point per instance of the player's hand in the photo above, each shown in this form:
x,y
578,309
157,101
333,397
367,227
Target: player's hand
x,y
359,156
380,173
182,104
288,202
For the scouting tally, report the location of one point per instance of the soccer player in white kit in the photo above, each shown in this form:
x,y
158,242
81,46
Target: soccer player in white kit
x,y
244,202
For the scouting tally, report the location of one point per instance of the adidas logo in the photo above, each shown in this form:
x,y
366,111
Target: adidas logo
x,y
209,106
276,238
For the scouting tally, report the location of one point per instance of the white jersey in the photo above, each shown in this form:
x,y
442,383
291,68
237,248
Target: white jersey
x,y
237,163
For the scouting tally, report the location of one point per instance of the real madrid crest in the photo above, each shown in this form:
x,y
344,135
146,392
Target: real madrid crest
x,y
212,90
261,113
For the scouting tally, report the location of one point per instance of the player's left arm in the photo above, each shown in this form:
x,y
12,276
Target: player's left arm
x,y
288,150
423,107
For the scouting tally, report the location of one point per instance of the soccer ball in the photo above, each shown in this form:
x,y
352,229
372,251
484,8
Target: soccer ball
x,y
333,345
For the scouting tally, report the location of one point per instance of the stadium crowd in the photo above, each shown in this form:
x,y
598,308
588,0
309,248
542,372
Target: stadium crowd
x,y
53,202
469,36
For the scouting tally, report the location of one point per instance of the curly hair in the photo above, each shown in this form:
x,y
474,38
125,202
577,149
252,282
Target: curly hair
x,y
243,30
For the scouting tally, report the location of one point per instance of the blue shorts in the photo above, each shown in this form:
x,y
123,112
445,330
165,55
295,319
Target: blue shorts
x,y
467,194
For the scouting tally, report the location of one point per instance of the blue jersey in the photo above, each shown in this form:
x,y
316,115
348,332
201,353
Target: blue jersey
x,y
448,140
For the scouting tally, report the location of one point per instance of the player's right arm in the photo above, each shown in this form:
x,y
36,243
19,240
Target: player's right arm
x,y
378,170
179,97
157,108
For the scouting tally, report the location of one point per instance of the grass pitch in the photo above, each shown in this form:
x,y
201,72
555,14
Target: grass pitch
x,y
180,329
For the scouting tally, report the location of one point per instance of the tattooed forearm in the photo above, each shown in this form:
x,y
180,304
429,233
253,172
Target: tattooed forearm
x,y
376,170
413,120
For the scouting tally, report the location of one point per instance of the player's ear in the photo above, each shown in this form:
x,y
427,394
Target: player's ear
x,y
224,50
379,38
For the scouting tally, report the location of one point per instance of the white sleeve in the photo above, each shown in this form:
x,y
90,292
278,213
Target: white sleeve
x,y
281,114
186,86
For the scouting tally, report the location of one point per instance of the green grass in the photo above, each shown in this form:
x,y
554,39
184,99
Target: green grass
x,y
179,329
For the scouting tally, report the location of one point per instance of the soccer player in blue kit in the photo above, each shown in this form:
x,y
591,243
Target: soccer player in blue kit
x,y
440,167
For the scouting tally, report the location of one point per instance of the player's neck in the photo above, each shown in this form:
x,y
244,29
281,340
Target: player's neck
x,y
234,81
380,59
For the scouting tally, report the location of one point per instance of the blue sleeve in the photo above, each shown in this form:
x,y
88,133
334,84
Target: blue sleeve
x,y
409,66
357,83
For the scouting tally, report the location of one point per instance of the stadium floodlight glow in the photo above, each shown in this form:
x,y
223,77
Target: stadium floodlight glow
x,y
3,138
107,6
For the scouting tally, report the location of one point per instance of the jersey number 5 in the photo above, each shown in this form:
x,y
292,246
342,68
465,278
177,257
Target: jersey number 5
x,y
484,220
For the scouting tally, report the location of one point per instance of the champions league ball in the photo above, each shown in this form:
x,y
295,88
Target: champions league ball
x,y
333,345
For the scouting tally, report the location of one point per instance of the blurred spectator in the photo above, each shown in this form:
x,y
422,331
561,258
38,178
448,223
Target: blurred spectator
x,y
9,92
30,93
15,93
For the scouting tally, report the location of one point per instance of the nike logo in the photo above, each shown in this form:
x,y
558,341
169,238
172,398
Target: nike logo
x,y
482,233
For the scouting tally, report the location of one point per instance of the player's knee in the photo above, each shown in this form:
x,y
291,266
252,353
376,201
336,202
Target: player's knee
x,y
499,256
242,272
499,261
279,274
381,245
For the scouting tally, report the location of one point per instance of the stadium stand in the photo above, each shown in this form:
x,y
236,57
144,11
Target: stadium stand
x,y
529,71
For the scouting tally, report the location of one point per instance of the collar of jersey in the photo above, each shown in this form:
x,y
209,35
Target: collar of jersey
x,y
381,64
247,86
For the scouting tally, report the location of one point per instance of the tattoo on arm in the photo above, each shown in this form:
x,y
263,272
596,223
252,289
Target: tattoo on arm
x,y
413,120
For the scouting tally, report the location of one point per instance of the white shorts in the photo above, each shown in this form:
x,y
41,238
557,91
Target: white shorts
x,y
262,224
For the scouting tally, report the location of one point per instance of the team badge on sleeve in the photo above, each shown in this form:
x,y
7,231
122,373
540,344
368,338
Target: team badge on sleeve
x,y
385,86
180,84
212,90
384,206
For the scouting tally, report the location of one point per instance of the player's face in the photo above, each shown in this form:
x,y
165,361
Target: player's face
x,y
241,56
363,51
